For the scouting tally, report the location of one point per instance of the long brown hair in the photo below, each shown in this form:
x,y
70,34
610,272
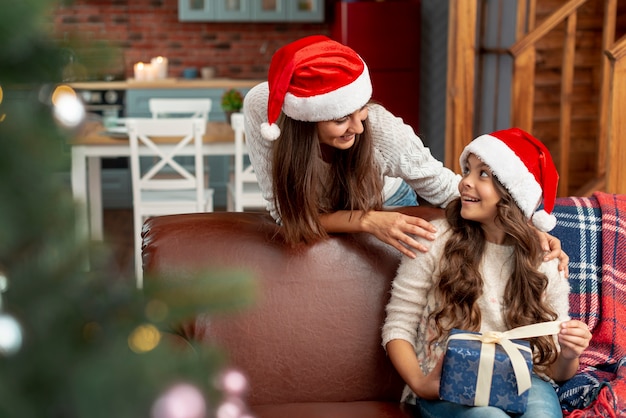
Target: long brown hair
x,y
460,283
304,189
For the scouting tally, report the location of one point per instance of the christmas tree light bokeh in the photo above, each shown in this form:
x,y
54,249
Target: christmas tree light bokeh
x,y
77,342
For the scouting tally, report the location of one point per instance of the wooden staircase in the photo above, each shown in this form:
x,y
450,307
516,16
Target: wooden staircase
x,y
582,127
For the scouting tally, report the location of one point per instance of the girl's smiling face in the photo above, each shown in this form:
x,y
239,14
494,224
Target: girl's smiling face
x,y
479,197
341,133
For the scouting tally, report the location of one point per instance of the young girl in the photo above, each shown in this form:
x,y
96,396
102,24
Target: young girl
x,y
484,272
321,150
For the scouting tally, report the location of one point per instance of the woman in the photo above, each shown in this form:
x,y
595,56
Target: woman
x,y
321,150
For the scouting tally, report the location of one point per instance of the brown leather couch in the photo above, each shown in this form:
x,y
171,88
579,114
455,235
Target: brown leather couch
x,y
311,345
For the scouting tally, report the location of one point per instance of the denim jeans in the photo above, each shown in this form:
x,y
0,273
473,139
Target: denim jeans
x,y
404,196
542,402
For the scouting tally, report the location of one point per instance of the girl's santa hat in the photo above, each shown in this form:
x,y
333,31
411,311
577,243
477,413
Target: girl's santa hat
x,y
315,79
524,166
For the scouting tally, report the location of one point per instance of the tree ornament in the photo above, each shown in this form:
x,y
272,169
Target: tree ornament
x,y
233,382
182,400
10,335
232,407
4,282
68,110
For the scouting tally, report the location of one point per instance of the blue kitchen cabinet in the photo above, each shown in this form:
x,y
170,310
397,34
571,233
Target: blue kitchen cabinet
x,y
251,10
196,10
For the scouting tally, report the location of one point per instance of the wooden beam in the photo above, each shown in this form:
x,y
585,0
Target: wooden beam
x,y
546,26
525,21
523,77
616,169
523,90
567,83
608,38
460,79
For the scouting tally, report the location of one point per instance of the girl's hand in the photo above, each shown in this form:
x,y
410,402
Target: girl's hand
x,y
405,361
552,246
574,338
397,230
428,387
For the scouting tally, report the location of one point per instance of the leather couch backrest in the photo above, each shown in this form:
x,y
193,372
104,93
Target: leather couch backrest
x,y
313,334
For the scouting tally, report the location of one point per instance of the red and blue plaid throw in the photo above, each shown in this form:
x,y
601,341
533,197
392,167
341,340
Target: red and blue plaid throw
x,y
594,237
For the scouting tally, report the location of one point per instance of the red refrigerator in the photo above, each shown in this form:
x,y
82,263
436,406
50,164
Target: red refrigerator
x,y
387,36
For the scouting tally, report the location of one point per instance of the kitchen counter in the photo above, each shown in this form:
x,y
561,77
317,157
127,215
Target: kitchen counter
x,y
175,83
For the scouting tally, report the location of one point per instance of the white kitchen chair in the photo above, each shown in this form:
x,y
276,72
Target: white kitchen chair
x,y
195,108
162,186
243,188
182,108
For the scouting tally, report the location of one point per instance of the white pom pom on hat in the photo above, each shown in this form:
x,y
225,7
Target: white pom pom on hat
x,y
524,166
544,221
315,79
270,132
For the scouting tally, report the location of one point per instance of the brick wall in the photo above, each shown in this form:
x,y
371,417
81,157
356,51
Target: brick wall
x,y
138,30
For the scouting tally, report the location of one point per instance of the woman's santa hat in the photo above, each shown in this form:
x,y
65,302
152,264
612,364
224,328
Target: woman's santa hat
x,y
315,79
524,166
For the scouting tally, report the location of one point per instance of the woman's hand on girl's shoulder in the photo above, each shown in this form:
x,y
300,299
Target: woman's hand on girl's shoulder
x,y
399,230
552,246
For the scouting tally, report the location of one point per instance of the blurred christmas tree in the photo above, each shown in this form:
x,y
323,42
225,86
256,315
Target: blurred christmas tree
x,y
76,343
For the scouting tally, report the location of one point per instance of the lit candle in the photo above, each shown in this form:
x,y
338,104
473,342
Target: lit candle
x,y
159,65
140,71
148,72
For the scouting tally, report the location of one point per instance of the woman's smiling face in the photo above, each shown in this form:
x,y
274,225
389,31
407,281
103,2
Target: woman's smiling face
x,y
341,133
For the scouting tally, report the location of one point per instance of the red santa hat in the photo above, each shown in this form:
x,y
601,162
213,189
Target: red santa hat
x,y
315,79
524,166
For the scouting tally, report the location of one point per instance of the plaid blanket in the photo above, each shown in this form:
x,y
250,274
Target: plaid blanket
x,y
594,237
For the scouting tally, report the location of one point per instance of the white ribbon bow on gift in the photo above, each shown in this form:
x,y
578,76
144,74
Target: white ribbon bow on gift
x,y
489,340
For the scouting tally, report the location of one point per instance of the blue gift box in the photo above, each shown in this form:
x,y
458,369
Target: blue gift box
x,y
460,372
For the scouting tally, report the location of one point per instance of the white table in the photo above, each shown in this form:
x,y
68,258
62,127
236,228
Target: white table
x,y
89,147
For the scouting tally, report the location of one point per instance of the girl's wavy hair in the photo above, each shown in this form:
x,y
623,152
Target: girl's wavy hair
x,y
303,189
460,283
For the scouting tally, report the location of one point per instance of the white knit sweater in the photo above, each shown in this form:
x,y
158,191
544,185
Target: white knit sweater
x,y
413,295
399,152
